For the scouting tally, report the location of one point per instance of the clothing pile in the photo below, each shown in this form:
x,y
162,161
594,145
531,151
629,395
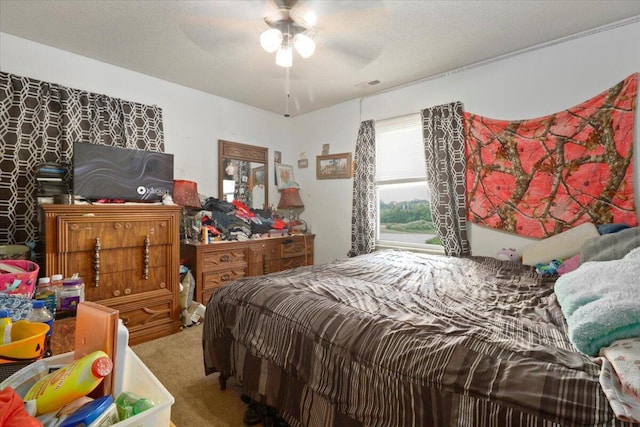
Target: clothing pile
x,y
236,221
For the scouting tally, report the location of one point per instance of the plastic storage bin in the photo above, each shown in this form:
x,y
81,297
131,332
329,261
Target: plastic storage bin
x,y
137,379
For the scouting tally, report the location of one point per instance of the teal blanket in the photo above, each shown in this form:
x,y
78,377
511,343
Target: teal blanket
x,y
601,302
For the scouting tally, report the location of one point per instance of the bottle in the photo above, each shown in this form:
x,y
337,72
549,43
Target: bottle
x,y
130,404
56,282
121,351
71,294
5,327
70,382
47,293
40,313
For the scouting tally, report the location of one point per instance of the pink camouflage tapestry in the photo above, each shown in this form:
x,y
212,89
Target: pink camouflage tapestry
x,y
542,176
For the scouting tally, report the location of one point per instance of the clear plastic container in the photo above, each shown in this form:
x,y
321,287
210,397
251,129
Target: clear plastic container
x,y
5,327
47,293
71,294
118,368
137,379
40,313
56,282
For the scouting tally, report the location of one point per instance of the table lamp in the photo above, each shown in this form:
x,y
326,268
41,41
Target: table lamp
x,y
290,199
185,194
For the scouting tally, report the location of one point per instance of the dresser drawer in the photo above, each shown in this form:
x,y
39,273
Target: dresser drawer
x,y
148,320
218,278
132,260
264,252
294,262
123,283
295,248
77,234
212,261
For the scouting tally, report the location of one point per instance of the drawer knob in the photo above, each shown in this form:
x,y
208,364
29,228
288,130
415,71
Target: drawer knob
x,y
127,225
225,258
127,291
125,320
163,285
74,227
116,292
96,263
117,226
225,277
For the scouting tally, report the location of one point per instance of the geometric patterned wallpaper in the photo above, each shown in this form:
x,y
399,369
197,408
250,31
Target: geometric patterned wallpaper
x,y
39,122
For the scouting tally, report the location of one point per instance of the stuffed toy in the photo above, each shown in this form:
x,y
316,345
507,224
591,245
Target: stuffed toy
x,y
508,255
549,269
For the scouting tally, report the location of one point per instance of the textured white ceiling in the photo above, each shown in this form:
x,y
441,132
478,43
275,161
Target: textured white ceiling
x,y
214,45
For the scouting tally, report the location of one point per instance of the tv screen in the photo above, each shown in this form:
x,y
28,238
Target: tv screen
x,y
103,172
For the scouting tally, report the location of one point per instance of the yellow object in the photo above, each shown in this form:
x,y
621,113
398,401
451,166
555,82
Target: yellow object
x,y
70,382
27,342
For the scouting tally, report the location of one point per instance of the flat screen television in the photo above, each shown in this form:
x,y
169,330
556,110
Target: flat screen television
x,y
104,172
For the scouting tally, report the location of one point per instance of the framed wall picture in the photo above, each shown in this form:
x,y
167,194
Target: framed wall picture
x,y
258,175
333,166
284,176
303,163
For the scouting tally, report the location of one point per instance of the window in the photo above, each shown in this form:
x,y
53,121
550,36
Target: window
x,y
402,193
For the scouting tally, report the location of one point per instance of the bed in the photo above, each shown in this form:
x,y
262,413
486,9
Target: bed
x,y
396,338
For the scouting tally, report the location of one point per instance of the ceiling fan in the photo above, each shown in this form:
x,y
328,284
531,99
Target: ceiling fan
x,y
351,32
288,28
346,34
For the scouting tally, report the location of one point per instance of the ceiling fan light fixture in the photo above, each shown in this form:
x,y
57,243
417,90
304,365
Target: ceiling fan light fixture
x,y
304,45
284,57
271,39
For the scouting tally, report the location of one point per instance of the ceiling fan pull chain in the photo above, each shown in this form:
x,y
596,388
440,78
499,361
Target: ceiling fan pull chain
x,y
287,88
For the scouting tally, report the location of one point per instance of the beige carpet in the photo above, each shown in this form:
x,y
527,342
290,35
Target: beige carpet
x,y
176,361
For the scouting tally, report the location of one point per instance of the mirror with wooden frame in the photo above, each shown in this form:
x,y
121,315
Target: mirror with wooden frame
x,y
243,174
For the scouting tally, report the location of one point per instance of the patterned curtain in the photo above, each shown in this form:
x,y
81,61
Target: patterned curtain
x,y
39,122
363,213
444,151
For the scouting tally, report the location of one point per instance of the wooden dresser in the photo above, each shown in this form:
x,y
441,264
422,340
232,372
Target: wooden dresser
x,y
218,263
128,257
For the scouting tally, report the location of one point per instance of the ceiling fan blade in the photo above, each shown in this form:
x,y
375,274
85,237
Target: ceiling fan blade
x,y
358,35
215,27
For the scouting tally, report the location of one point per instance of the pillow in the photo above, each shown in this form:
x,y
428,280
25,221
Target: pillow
x,y
611,246
562,245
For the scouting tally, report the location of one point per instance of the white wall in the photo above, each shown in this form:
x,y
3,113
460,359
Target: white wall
x,y
528,85
193,120
327,203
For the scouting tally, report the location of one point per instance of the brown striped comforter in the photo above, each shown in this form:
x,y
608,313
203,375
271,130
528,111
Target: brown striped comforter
x,y
401,339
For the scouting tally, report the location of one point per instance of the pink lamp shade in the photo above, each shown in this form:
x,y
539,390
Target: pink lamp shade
x,y
290,199
185,193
